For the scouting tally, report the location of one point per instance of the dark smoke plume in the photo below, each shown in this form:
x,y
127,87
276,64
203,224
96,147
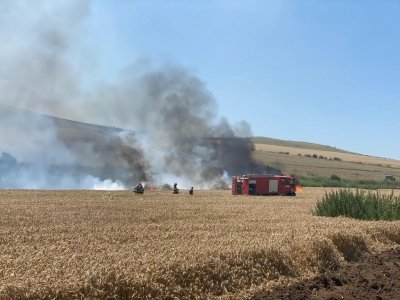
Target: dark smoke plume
x,y
183,136
169,118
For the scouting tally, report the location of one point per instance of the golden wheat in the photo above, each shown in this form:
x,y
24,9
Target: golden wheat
x,y
117,245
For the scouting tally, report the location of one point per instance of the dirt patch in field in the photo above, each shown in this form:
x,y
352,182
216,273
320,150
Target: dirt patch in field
x,y
373,277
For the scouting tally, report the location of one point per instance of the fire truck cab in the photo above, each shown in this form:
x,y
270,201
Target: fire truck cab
x,y
264,185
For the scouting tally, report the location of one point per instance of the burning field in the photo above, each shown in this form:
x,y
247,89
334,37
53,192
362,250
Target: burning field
x,y
212,245
63,236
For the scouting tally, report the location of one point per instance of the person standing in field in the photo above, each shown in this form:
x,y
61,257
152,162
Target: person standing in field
x,y
175,189
191,191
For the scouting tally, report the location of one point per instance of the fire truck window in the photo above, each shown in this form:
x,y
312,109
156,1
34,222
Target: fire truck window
x,y
252,189
282,181
287,181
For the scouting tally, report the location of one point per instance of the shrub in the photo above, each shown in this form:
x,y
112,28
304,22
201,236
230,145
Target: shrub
x,y
359,205
7,162
337,158
307,155
315,156
7,159
335,177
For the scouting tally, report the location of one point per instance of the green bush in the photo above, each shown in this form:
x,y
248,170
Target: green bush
x,y
335,177
337,158
359,205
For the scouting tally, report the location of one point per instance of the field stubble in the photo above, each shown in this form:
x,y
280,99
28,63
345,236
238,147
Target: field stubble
x,y
98,245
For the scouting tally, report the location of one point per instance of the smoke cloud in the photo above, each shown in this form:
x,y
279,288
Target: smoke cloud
x,y
157,124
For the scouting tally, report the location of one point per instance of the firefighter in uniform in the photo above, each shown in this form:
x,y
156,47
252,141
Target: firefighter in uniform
x,y
139,188
175,189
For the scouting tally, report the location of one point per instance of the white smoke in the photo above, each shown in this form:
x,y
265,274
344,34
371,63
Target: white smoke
x,y
108,185
172,133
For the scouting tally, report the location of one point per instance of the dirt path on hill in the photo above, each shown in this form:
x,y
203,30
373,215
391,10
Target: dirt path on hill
x,y
374,277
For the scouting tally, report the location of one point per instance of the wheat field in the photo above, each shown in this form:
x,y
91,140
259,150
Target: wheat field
x,y
212,245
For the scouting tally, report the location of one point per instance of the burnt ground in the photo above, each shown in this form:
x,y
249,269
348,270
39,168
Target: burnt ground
x,y
373,277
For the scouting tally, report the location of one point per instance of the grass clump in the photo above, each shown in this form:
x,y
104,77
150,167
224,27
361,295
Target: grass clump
x,y
335,177
360,205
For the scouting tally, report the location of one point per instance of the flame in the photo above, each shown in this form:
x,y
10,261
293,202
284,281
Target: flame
x,y
149,187
299,188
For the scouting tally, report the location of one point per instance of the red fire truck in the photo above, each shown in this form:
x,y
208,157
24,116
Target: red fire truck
x,y
264,185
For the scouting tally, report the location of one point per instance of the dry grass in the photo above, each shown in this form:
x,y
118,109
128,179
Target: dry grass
x,y
330,154
352,166
116,245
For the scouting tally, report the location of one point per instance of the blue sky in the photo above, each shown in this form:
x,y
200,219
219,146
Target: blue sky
x,y
325,72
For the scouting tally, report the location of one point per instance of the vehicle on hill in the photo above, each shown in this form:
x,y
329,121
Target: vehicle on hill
x,y
390,178
264,185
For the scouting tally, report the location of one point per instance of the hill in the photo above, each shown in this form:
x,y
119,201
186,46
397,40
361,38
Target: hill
x,y
68,130
317,162
295,144
302,158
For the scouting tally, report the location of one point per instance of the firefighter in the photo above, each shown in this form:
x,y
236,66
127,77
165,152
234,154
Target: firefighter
x,y
175,189
139,188
191,191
